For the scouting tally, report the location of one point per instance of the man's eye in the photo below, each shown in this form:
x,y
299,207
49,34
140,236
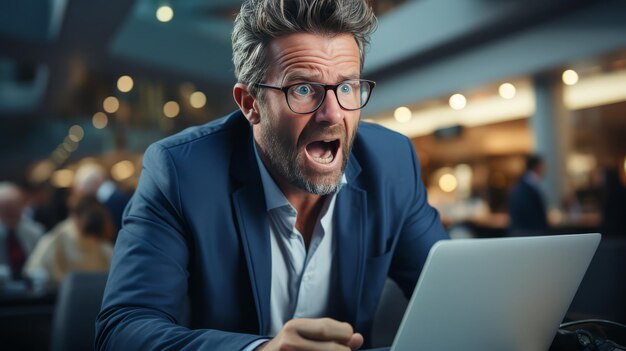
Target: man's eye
x,y
302,89
345,88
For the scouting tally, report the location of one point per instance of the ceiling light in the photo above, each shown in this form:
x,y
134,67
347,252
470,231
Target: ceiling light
x,y
197,99
125,84
122,170
59,156
76,133
507,91
69,146
62,178
570,77
457,101
402,114
42,171
447,182
111,104
164,13
171,109
100,120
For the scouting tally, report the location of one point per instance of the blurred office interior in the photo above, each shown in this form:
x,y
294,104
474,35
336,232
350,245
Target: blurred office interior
x,y
476,84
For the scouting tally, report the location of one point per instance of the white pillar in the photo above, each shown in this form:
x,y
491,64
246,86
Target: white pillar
x,y
551,131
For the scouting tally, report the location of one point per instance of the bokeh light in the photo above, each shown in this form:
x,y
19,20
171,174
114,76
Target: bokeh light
x,y
457,101
402,114
164,13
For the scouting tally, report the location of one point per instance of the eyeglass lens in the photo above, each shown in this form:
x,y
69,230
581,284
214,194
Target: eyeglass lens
x,y
307,97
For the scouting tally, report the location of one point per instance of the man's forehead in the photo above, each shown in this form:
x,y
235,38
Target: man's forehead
x,y
314,55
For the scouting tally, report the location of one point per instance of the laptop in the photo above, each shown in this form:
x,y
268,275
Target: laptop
x,y
495,294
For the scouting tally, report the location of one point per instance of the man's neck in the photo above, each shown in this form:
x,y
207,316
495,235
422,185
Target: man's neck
x,y
308,207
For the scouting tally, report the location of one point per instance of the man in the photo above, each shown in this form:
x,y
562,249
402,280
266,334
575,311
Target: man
x,y
281,221
18,235
527,209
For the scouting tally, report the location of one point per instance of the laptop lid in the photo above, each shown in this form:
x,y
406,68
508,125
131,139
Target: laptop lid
x,y
495,294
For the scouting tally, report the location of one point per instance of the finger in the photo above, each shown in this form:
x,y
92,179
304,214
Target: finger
x,y
356,341
325,329
290,341
302,344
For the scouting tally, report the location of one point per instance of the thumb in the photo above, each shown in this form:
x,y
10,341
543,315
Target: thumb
x,y
356,341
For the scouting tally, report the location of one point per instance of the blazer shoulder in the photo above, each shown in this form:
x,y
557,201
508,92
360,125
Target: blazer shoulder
x,y
225,125
382,145
375,131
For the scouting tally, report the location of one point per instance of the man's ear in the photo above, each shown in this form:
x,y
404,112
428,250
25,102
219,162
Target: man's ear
x,y
247,103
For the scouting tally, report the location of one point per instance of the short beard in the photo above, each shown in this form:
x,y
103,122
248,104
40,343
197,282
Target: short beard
x,y
285,160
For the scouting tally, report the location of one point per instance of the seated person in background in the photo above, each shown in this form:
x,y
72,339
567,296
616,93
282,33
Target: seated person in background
x,y
88,181
18,235
527,210
87,248
91,179
281,221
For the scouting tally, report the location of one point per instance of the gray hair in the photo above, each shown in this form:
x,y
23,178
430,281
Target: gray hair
x,y
260,21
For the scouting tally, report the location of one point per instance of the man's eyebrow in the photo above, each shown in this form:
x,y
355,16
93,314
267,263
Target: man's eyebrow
x,y
350,76
302,77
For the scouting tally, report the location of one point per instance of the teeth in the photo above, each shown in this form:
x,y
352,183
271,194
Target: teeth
x,y
324,160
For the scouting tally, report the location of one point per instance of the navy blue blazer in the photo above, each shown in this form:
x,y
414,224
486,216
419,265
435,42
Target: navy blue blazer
x,y
196,227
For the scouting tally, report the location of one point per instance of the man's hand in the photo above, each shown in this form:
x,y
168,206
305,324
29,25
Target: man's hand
x,y
314,334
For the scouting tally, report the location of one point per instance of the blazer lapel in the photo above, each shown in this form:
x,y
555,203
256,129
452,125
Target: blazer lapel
x,y
350,217
249,207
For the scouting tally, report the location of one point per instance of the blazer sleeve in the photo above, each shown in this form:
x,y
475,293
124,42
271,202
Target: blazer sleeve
x,y
421,229
147,282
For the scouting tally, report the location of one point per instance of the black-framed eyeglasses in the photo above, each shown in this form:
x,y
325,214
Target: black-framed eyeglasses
x,y
307,97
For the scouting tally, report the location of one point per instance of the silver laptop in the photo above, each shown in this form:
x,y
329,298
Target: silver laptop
x,y
495,294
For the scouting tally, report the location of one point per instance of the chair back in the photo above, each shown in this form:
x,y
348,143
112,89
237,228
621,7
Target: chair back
x,y
388,315
602,293
78,304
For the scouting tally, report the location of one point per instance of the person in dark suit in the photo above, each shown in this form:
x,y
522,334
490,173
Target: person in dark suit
x,y
18,235
281,221
613,204
527,209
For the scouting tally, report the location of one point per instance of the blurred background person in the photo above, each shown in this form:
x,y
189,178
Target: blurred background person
x,y
613,205
18,235
45,204
88,248
91,179
527,209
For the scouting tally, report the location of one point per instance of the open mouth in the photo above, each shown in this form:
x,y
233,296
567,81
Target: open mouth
x,y
323,151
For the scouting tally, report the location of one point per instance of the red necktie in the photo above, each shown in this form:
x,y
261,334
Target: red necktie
x,y
17,256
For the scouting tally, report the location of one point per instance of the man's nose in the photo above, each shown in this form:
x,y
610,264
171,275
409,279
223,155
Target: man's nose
x,y
330,112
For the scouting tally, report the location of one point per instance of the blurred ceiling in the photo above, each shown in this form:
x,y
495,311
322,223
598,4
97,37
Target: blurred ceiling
x,y
62,46
49,49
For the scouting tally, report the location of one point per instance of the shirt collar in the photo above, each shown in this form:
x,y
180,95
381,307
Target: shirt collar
x,y
274,197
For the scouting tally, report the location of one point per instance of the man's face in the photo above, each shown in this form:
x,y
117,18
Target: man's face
x,y
307,152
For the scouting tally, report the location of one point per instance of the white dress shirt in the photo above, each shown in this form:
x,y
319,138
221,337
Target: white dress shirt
x,y
301,279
